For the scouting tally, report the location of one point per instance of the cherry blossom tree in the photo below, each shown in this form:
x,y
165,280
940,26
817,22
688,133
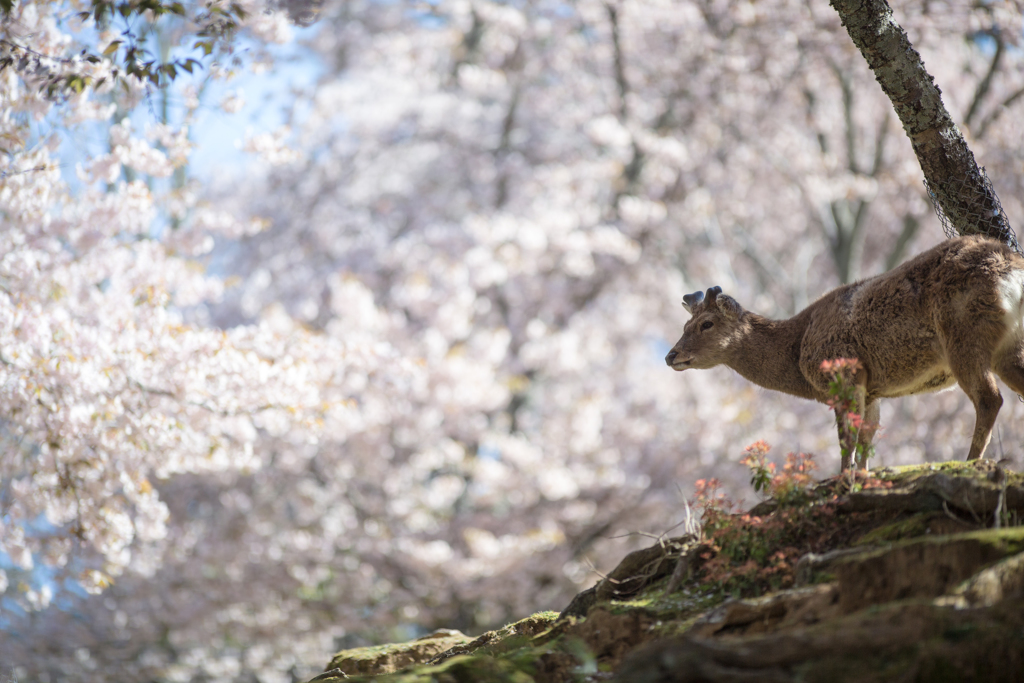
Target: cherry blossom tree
x,y
110,384
421,383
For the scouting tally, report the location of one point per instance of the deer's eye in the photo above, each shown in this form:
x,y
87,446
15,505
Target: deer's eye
x,y
706,325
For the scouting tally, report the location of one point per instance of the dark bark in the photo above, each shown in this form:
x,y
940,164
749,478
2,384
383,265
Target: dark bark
x,y
631,173
952,175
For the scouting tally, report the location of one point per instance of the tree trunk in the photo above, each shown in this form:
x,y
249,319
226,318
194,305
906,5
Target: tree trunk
x,y
962,191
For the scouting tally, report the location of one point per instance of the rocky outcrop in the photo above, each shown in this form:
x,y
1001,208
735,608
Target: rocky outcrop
x,y
386,659
911,574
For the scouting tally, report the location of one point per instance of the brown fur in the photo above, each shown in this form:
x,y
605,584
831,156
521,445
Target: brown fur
x,y
935,320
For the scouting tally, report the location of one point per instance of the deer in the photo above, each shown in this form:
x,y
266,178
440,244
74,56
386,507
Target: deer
x,y
951,315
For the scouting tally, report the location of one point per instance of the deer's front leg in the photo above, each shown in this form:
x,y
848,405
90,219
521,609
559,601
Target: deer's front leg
x,y
846,441
857,427
869,426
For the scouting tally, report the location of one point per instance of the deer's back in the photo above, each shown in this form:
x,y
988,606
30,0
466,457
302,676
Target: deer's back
x,y
965,293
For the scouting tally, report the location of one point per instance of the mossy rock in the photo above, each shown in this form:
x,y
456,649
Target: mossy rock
x,y
913,590
973,491
687,603
466,669
504,639
969,469
385,659
903,641
916,526
921,567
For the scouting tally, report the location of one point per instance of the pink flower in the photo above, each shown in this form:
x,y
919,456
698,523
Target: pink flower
x,y
839,364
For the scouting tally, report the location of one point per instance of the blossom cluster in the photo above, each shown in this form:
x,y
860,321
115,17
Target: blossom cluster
x,y
407,372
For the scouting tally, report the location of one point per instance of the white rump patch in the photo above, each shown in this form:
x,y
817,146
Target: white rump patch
x,y
1011,296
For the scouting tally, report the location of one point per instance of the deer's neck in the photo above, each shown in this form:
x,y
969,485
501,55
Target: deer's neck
x,y
768,354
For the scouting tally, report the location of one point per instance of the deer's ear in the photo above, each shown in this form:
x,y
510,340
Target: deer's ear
x,y
729,307
691,301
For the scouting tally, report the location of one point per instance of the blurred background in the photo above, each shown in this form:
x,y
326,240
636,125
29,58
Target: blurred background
x,y
512,198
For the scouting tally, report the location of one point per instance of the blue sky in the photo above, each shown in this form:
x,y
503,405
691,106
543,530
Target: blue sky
x,y
268,101
217,135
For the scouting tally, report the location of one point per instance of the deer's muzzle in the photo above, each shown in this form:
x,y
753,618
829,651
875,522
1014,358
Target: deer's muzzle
x,y
676,363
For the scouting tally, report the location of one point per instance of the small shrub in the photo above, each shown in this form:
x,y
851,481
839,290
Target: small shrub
x,y
787,487
710,500
761,471
746,555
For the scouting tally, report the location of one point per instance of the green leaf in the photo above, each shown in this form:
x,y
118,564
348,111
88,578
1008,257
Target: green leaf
x,y
112,48
101,9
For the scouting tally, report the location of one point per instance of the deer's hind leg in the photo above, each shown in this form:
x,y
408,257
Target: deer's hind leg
x,y
1011,371
972,370
1010,368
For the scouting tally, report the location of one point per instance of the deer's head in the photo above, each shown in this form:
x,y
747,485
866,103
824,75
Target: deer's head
x,y
714,324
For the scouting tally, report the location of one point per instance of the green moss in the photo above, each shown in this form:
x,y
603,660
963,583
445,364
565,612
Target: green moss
x,y
975,469
372,652
393,656
546,615
463,669
509,655
1002,541
519,634
690,598
911,527
384,659
675,613
819,577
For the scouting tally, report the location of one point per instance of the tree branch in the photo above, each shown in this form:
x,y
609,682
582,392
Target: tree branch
x,y
631,173
851,131
983,87
620,67
949,167
911,223
991,118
